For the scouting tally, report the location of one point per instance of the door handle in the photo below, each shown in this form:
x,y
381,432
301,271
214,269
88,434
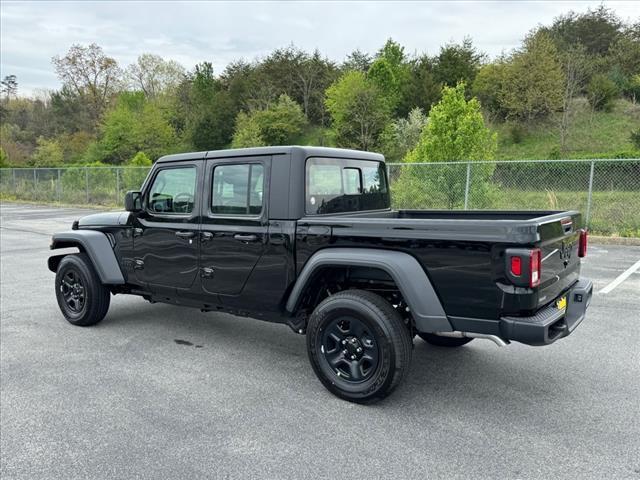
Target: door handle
x,y
206,236
186,234
245,238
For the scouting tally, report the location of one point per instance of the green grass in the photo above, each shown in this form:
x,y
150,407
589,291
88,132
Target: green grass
x,y
613,213
592,135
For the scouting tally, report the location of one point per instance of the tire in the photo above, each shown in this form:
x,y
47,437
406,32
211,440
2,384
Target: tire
x,y
365,321
82,298
439,341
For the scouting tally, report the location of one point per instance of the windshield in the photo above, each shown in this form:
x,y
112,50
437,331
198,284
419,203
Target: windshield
x,y
335,185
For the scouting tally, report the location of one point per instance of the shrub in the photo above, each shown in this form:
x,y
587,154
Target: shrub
x,y
601,92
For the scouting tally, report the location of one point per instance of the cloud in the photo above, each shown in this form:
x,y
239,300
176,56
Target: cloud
x,y
220,32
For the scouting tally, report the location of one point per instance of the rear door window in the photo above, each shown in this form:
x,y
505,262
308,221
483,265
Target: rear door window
x,y
237,189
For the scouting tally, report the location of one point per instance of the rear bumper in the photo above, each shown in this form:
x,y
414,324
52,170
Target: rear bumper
x,y
545,327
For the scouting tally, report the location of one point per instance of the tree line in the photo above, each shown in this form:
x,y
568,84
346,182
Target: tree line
x,y
106,113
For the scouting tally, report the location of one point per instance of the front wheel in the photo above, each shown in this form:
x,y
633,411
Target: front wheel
x,y
358,346
440,341
82,298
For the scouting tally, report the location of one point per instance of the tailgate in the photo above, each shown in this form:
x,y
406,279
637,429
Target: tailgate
x,y
559,240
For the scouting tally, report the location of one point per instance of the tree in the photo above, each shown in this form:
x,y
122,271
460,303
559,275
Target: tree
x,y
489,86
210,116
140,160
281,123
382,74
278,125
596,30
402,135
154,75
422,90
134,125
247,132
48,153
358,110
577,67
454,133
457,63
70,110
601,92
357,60
300,76
91,74
391,74
9,86
392,52
534,80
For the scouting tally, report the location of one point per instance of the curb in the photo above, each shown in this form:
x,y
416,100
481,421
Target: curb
x,y
630,241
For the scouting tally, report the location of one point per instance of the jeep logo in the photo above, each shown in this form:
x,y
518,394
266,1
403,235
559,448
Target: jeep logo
x,y
565,252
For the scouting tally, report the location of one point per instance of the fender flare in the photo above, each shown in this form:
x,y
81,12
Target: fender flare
x,y
98,248
412,280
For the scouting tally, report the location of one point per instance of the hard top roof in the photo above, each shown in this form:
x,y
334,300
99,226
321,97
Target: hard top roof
x,y
252,152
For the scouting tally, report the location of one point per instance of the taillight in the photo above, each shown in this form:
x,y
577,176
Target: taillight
x,y
582,243
516,266
523,266
535,266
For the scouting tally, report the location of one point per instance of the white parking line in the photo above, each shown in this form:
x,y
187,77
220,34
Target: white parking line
x,y
621,278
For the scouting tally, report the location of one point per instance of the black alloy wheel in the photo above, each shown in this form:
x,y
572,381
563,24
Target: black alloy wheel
x,y
350,348
358,345
73,290
81,296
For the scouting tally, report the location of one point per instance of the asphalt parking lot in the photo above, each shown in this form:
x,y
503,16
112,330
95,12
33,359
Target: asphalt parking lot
x,y
123,399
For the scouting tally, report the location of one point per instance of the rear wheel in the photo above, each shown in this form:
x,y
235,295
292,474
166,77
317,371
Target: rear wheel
x,y
82,298
432,339
358,346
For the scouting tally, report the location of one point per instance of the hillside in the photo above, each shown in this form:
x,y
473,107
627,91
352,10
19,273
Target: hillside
x,y
593,135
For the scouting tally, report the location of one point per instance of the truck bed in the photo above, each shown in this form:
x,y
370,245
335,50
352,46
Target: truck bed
x,y
463,252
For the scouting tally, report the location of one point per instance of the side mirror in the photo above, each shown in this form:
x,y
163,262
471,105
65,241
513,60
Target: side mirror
x,y
133,201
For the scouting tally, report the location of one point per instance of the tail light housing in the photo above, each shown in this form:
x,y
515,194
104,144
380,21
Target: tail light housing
x,y
582,243
535,267
524,266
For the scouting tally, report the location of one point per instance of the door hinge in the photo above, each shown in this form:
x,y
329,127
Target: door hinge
x,y
206,272
138,264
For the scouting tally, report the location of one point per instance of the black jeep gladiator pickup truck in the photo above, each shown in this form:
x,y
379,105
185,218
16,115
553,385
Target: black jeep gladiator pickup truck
x,y
305,236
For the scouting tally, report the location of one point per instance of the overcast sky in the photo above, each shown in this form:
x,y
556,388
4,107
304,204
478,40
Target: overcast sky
x,y
191,32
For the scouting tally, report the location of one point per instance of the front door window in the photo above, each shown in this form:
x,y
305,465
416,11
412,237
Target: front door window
x,y
173,191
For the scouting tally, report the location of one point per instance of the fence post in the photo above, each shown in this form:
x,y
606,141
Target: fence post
x,y
117,184
589,194
86,181
15,183
466,188
35,184
59,189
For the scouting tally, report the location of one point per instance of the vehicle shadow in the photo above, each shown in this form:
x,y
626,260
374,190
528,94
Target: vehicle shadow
x,y
471,380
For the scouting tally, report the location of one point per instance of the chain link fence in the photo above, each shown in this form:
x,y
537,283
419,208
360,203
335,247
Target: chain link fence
x,y
607,192
103,186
